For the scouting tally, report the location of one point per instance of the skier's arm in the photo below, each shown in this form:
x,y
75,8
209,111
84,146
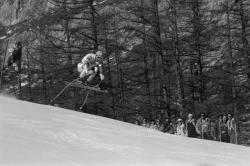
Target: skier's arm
x,y
82,74
101,72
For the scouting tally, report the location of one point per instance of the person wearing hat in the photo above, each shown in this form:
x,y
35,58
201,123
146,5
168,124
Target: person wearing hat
x,y
180,129
90,67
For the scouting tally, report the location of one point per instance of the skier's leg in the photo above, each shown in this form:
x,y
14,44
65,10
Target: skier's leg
x,y
92,75
83,70
102,85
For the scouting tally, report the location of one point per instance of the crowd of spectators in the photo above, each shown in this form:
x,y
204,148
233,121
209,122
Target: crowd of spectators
x,y
223,128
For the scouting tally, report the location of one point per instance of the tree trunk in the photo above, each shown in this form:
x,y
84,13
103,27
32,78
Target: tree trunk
x,y
246,47
70,59
29,76
145,60
94,34
109,67
118,66
177,54
44,85
3,64
230,51
93,24
157,53
197,46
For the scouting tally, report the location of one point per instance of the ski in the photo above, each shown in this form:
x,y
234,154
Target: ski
x,y
78,84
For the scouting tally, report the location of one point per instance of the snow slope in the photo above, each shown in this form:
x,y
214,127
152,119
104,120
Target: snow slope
x,y
34,135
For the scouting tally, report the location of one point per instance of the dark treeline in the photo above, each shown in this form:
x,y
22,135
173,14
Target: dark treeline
x,y
162,57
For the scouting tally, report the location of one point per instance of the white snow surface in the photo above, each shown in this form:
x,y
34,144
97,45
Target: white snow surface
x,y
39,135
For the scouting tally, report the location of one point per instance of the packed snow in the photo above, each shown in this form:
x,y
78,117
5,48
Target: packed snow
x,y
34,135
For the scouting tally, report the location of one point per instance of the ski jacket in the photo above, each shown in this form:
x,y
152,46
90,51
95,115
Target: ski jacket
x,y
88,62
89,59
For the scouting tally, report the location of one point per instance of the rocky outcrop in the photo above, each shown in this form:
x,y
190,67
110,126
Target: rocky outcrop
x,y
14,11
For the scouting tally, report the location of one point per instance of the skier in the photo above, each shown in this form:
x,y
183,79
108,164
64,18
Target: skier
x,y
15,56
91,73
90,67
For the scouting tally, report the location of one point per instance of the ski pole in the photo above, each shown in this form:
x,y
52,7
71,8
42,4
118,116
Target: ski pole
x,y
86,98
63,90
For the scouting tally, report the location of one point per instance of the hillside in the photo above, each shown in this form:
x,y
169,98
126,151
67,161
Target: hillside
x,y
162,59
33,135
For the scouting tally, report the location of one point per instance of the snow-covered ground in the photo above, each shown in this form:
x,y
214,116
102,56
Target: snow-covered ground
x,y
34,135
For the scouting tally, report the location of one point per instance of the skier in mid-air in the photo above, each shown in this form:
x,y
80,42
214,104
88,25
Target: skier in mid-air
x,y
90,68
90,73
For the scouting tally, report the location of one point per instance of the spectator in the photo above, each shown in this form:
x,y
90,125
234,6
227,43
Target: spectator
x,y
212,132
206,128
232,130
144,123
165,124
200,125
152,125
148,124
168,127
218,128
158,125
224,136
138,119
190,125
180,129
